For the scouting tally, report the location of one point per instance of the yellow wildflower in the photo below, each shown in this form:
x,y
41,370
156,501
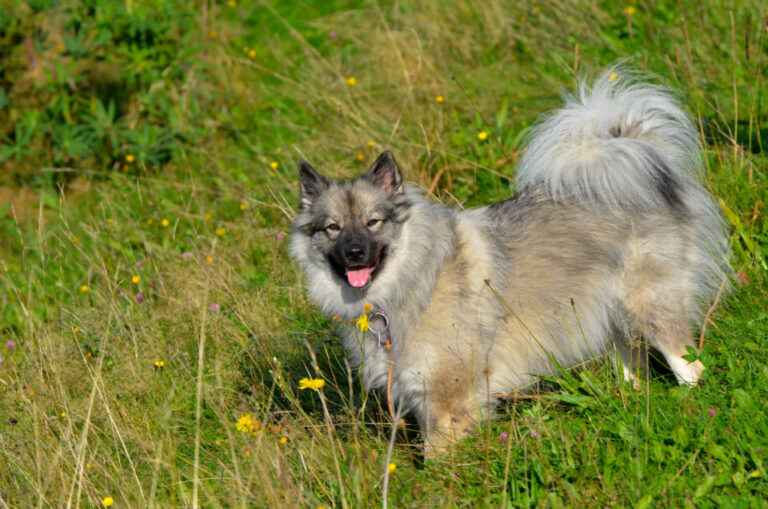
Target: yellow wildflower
x,y
245,49
482,135
135,279
75,240
273,165
243,206
247,424
149,221
537,10
130,158
362,323
165,223
159,364
311,383
207,215
351,81
629,10
212,34
63,414
87,465
209,259
252,53
440,98
391,468
371,143
613,76
247,452
283,440
522,19
221,231
84,288
360,157
367,307
107,501
231,3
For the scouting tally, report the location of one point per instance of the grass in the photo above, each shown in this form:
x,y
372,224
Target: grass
x,y
201,213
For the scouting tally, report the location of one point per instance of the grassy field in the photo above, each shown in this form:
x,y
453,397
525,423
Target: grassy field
x,y
153,330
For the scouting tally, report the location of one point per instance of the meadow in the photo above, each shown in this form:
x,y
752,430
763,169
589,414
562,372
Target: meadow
x,y
154,331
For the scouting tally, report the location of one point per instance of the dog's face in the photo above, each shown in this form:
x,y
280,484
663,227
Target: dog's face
x,y
353,225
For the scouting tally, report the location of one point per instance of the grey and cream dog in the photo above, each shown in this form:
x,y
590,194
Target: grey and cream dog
x,y
611,237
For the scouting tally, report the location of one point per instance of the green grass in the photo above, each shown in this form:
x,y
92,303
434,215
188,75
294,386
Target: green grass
x,y
86,414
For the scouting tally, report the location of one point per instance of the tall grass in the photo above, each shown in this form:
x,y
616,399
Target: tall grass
x,y
133,390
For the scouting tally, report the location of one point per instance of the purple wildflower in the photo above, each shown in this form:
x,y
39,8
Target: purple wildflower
x,y
139,264
186,255
503,436
214,307
333,34
711,412
280,237
534,434
10,344
139,297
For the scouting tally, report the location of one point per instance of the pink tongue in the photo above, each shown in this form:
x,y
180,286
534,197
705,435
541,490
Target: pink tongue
x,y
359,277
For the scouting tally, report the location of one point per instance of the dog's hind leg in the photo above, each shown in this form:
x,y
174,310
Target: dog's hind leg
x,y
663,317
630,356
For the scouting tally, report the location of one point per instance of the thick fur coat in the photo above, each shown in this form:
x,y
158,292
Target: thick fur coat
x,y
611,237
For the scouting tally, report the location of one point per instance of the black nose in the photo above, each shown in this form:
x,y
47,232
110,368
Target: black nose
x,y
355,253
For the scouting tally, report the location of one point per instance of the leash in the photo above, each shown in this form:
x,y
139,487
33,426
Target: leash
x,y
386,342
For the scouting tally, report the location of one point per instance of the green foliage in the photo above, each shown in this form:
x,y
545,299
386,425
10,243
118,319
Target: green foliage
x,y
111,264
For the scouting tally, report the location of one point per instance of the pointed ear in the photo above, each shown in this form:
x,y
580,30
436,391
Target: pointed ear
x,y
312,184
385,174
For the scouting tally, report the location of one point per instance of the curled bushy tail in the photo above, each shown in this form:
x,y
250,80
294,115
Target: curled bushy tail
x,y
629,145
618,142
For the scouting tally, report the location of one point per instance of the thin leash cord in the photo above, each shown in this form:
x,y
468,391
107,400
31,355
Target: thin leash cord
x,y
388,347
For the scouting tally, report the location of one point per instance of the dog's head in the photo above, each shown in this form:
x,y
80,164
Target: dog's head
x,y
352,225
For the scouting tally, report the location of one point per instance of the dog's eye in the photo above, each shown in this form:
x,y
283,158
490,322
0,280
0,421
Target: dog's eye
x,y
373,222
333,227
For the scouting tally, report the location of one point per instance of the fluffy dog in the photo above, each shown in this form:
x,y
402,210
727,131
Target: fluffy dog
x,y
611,237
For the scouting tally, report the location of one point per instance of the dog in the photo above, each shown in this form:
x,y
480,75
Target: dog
x,y
612,237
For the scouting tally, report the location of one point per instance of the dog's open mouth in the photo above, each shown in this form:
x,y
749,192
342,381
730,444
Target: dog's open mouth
x,y
360,277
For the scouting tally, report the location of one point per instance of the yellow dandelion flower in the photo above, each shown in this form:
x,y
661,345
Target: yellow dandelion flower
x,y
536,10
482,135
77,329
274,165
245,49
283,440
63,414
135,279
247,424
351,81
613,76
371,143
391,468
522,19
207,215
149,221
212,34
209,259
159,364
89,354
130,158
84,288
59,47
75,240
221,231
247,452
367,307
107,501
311,383
360,157
252,53
87,465
629,10
362,323
243,206
231,3
440,98
165,223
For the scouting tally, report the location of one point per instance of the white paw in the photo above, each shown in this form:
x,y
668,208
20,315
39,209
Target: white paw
x,y
687,373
